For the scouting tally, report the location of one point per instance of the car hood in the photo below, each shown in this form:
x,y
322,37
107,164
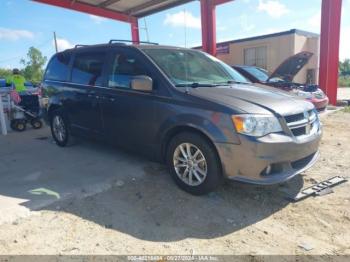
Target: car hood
x,y
254,100
291,66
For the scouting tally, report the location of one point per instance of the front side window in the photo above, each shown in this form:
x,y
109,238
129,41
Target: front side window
x,y
124,68
193,67
58,68
87,69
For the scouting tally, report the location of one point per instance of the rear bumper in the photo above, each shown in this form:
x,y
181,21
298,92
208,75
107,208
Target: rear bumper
x,y
272,159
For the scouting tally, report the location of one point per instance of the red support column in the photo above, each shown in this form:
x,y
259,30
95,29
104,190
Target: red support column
x,y
329,53
135,34
208,26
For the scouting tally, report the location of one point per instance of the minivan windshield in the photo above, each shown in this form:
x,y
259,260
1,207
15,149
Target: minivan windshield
x,y
193,68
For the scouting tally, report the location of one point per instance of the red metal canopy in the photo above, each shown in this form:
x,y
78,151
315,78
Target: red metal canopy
x,y
130,10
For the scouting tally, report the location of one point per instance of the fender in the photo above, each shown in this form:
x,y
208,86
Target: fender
x,y
217,127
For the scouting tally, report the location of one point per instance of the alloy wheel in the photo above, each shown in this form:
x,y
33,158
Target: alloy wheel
x,y
190,164
59,128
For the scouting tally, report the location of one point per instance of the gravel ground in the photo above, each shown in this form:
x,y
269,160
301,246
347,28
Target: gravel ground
x,y
148,214
344,93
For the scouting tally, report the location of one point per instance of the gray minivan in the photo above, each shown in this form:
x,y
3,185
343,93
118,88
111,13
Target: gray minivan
x,y
182,107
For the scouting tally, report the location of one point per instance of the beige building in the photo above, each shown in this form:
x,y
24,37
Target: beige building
x,y
269,51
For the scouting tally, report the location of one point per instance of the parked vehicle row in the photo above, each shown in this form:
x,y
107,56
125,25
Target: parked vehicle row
x,y
182,107
282,78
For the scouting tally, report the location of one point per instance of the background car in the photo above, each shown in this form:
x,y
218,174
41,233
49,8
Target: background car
x,y
283,76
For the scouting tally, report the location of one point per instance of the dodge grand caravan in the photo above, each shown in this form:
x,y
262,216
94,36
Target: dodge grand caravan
x,y
182,107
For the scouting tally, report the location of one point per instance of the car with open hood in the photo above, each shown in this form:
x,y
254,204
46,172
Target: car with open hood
x,y
282,78
182,107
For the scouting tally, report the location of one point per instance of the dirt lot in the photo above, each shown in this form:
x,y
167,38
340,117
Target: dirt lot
x,y
144,213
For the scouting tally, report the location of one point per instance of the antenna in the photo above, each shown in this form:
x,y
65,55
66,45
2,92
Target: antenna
x,y
185,31
185,27
55,40
146,29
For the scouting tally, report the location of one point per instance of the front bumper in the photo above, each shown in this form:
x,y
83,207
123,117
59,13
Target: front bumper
x,y
320,104
272,159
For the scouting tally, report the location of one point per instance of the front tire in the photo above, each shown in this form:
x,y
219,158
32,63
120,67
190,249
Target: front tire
x,y
60,128
194,164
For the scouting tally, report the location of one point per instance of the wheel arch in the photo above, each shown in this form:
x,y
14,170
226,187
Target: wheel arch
x,y
185,129
52,108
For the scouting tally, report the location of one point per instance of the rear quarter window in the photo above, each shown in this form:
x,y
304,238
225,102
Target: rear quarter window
x,y
58,68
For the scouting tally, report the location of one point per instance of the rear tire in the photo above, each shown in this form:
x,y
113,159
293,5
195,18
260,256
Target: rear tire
x,y
194,164
60,128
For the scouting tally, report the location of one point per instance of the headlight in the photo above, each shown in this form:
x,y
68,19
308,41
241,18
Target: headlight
x,y
256,125
319,94
306,95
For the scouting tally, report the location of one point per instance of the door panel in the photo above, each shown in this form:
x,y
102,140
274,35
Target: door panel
x,y
88,73
83,108
128,115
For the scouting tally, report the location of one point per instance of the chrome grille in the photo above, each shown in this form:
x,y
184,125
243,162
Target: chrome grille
x,y
294,118
302,124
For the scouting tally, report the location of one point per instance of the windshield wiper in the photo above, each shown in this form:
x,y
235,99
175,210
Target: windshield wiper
x,y
229,82
195,85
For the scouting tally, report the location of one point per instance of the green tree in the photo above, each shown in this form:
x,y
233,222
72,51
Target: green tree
x,y
33,67
5,72
344,67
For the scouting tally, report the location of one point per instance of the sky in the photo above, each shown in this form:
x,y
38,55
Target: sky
x,y
24,23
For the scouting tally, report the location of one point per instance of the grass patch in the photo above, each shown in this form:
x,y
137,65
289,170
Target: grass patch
x,y
346,109
344,81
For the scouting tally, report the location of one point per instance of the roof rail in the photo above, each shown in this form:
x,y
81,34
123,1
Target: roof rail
x,y
76,46
130,41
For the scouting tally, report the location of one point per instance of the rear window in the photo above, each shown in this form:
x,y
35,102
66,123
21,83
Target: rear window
x,y
58,68
87,68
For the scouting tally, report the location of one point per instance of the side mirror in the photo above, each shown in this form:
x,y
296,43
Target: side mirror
x,y
142,83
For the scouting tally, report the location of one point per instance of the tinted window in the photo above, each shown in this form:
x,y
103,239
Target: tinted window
x,y
87,68
58,67
124,67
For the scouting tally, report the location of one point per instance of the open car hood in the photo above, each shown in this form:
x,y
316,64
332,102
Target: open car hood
x,y
291,66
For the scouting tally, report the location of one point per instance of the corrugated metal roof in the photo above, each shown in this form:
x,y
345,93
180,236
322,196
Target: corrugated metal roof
x,y
137,8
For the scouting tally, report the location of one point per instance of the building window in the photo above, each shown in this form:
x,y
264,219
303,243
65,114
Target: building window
x,y
256,56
